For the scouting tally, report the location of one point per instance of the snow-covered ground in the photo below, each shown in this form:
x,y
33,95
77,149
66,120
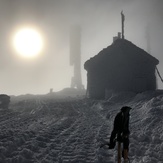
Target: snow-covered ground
x,y
71,130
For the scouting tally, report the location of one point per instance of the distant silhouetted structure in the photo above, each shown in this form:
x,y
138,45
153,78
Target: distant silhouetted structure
x,y
121,66
51,90
148,39
75,56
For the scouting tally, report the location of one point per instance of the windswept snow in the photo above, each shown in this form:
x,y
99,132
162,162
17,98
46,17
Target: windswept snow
x,y
71,130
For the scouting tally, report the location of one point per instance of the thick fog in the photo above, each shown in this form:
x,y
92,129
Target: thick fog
x,y
100,20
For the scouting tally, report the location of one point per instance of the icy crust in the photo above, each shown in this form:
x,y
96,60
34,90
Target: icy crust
x,y
71,130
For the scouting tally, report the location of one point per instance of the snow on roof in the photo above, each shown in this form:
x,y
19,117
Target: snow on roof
x,y
121,47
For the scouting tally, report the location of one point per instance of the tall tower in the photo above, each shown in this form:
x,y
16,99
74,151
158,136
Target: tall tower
x,y
148,39
75,56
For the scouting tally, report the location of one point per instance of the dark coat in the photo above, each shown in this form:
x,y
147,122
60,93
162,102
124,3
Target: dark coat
x,y
120,129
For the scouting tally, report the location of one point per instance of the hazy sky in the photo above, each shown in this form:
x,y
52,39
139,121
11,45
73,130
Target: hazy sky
x,y
100,20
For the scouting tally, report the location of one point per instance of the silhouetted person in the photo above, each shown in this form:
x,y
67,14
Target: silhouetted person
x,y
121,133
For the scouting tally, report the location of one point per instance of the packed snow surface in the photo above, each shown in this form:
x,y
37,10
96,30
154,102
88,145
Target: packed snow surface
x,y
44,129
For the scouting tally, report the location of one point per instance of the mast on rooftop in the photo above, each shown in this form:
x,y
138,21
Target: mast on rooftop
x,y
122,19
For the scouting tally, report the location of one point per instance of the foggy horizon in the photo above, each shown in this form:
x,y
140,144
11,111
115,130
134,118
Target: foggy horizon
x,y
100,21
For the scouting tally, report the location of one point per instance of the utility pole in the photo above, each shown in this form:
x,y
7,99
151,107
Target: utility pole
x,y
122,19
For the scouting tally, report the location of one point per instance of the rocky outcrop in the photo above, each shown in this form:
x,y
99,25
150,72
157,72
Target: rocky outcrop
x,y
4,101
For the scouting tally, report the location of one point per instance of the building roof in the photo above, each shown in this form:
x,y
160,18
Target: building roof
x,y
121,49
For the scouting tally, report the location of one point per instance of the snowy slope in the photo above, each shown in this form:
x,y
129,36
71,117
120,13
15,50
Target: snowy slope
x,y
51,130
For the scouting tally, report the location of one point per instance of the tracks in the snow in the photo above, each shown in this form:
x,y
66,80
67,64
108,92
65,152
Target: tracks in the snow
x,y
67,131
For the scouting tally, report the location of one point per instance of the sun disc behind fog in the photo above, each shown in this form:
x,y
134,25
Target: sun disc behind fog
x,y
28,42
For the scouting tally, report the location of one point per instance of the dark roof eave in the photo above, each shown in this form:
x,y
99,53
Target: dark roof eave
x,y
110,50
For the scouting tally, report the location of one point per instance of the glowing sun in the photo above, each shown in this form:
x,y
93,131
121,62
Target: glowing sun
x,y
28,42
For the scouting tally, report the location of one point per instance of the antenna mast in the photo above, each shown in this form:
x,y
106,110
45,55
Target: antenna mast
x,y
75,56
122,19
148,38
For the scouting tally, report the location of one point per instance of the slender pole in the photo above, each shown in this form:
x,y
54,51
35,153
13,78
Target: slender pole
x,y
159,74
123,19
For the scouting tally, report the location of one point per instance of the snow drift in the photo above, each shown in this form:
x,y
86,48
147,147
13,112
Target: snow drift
x,y
41,129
